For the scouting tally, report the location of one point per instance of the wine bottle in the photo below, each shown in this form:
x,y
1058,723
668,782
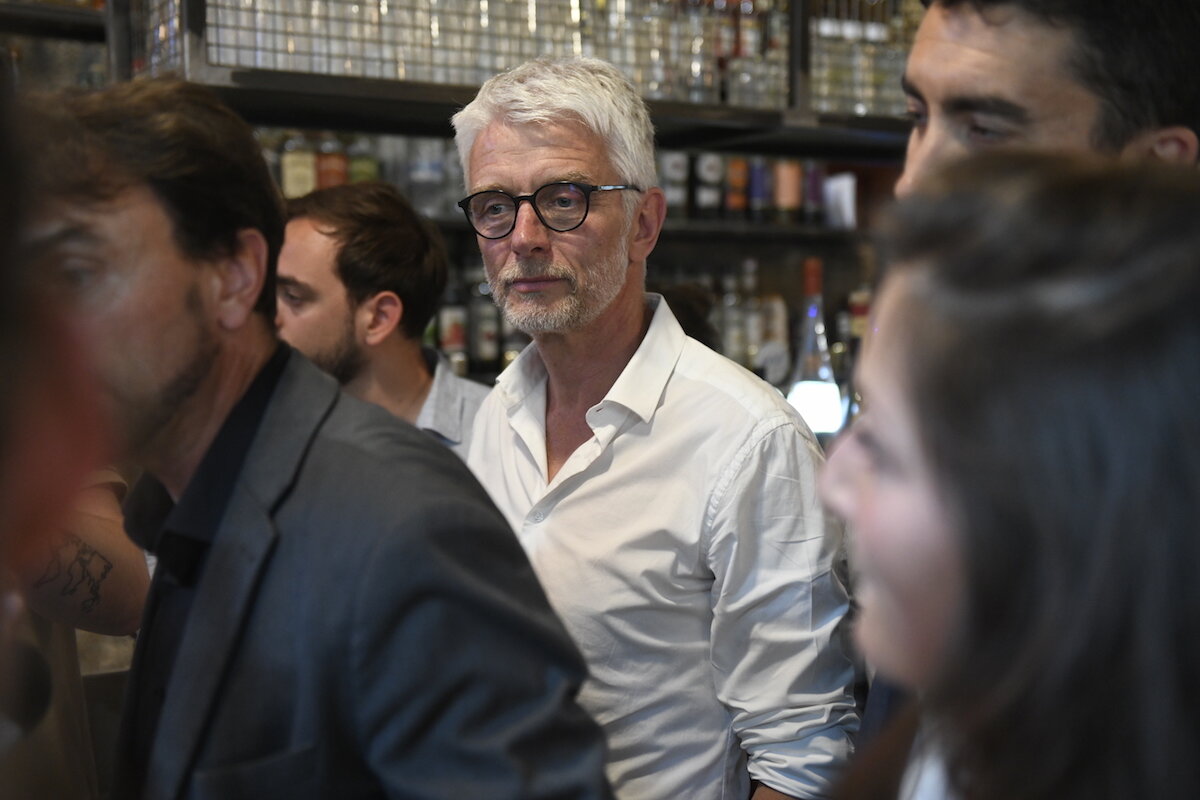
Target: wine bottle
x,y
814,391
297,165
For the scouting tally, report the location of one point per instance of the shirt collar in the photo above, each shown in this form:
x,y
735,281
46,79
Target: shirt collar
x,y
150,512
640,385
441,413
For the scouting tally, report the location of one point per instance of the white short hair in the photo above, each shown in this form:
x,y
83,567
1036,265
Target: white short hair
x,y
545,90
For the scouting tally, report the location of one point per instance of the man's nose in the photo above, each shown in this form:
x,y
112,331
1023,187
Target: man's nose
x,y
528,234
925,151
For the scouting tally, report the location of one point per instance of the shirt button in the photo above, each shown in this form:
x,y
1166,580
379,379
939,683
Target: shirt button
x,y
537,516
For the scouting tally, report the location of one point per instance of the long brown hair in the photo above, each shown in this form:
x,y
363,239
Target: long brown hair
x,y
1054,359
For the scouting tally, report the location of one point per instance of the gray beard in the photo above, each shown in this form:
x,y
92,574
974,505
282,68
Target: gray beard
x,y
577,310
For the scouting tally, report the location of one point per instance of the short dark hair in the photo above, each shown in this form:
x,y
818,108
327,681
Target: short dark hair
x,y
384,245
1052,337
1140,59
197,156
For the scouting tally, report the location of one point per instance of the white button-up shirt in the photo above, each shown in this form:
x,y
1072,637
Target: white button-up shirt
x,y
450,408
686,551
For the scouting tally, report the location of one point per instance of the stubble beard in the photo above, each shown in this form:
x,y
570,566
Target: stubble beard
x,y
344,360
580,307
147,424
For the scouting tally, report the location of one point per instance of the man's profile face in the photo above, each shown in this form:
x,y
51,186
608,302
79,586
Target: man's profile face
x,y
997,78
314,312
146,310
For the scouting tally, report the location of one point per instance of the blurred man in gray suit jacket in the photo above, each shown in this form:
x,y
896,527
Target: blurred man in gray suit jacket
x,y
338,610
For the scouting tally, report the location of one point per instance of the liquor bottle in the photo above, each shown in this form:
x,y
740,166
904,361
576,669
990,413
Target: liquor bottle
x,y
775,56
813,208
859,309
297,165
708,177
364,164
673,178
483,349
774,353
699,69
788,190
724,17
733,321
426,175
452,324
744,70
333,166
269,141
813,390
512,342
758,189
737,184
655,65
752,316
452,181
393,162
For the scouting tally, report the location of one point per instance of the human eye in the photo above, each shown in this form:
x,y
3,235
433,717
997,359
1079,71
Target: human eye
x,y
565,197
877,456
916,113
291,296
491,205
984,127
984,133
74,274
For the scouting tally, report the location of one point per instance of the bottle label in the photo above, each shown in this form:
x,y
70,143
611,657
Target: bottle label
x,y
672,175
709,172
333,169
737,179
758,188
298,171
452,329
485,332
789,185
363,168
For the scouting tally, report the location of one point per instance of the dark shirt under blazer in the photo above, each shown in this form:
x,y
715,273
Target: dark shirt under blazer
x,y
365,625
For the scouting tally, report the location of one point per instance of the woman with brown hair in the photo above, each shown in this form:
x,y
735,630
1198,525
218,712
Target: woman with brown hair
x,y
1023,490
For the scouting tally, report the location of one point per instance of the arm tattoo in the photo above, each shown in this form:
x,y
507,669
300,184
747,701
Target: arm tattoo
x,y
82,566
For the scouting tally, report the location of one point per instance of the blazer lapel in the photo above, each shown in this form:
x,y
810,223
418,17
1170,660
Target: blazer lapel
x,y
236,562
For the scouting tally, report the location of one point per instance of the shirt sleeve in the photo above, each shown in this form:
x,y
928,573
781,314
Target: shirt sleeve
x,y
780,664
109,477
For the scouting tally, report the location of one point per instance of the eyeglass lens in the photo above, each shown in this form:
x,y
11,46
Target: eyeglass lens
x,y
561,207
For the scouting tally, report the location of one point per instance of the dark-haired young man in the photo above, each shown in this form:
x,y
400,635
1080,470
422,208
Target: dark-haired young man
x,y
1104,75
360,276
338,609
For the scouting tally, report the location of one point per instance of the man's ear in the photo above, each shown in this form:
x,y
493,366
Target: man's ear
x,y
647,224
378,316
240,278
1176,144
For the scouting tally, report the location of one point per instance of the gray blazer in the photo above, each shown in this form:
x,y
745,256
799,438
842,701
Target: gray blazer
x,y
368,626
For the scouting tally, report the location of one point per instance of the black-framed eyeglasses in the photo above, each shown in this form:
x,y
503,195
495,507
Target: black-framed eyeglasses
x,y
561,206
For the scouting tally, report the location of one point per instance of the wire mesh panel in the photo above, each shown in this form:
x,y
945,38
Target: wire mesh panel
x,y
697,52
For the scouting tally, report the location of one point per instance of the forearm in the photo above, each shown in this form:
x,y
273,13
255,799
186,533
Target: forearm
x,y
767,793
91,575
